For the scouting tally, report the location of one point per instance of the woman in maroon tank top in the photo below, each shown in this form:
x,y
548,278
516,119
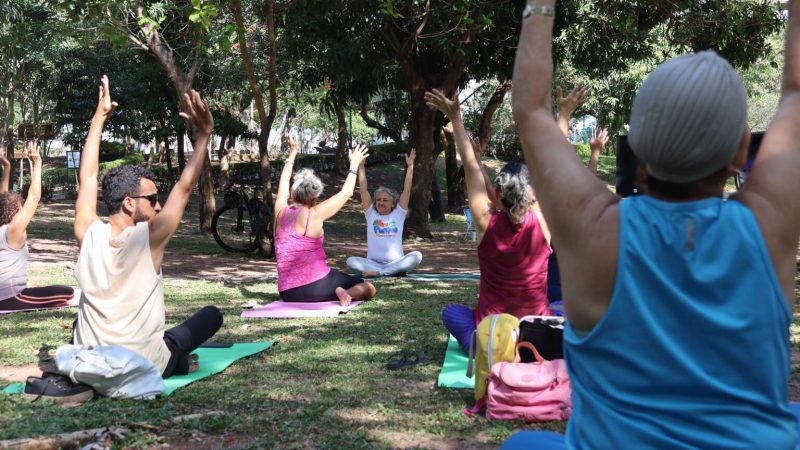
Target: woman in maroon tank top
x,y
513,240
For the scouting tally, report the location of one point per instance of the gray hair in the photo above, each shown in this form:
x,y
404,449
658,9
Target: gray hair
x,y
386,190
515,189
306,186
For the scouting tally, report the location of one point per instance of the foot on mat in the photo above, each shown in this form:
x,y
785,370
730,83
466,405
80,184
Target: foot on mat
x,y
400,361
56,387
344,297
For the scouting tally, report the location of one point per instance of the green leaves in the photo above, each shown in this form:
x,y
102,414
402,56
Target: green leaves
x,y
202,13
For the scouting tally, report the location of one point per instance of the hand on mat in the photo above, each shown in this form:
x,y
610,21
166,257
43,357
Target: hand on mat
x,y
194,363
576,97
104,104
358,154
450,108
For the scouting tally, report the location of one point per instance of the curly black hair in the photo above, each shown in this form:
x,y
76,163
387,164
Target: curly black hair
x,y
10,203
123,182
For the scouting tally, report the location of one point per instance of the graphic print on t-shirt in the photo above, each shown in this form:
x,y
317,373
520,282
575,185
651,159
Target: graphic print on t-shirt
x,y
384,229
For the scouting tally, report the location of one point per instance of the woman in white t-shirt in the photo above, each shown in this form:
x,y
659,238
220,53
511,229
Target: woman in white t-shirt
x,y
385,219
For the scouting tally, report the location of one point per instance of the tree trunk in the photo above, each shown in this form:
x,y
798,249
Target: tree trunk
x,y
181,148
421,138
168,155
341,140
221,148
436,207
485,126
208,204
455,192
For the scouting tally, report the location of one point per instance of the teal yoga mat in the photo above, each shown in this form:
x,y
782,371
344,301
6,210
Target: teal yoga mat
x,y
454,369
444,276
212,360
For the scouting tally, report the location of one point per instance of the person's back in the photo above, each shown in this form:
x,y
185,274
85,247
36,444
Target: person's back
x,y
122,295
678,334
513,262
695,340
13,266
300,259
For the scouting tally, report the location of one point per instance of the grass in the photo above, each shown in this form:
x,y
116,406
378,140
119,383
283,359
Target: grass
x,y
324,385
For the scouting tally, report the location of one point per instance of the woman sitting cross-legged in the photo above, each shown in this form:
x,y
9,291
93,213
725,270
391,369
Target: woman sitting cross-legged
x,y
385,218
513,241
303,272
15,216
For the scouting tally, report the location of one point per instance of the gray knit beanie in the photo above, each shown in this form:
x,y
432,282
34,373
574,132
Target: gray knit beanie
x,y
688,117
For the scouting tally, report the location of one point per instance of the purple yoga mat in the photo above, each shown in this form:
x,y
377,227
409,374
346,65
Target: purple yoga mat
x,y
72,303
290,310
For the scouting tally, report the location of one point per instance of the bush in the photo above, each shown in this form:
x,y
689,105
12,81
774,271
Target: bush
x,y
584,150
111,151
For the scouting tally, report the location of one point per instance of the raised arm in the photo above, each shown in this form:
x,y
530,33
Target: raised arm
x,y
4,181
597,144
406,195
331,206
163,225
19,224
772,185
571,198
479,202
487,180
569,104
282,198
366,199
86,205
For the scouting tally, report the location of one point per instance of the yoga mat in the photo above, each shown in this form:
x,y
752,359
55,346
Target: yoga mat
x,y
454,369
211,360
444,276
71,304
292,310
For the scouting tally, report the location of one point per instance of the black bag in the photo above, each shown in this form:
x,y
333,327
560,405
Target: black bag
x,y
546,334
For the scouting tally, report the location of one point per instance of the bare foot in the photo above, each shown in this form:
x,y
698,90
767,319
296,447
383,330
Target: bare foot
x,y
368,274
344,297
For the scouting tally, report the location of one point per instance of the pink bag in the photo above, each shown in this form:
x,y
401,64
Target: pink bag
x,y
535,392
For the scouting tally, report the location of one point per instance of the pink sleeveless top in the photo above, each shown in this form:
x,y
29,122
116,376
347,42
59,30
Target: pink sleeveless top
x,y
301,259
513,261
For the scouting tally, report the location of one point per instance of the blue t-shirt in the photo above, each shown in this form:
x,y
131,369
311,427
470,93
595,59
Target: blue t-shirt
x,y
693,351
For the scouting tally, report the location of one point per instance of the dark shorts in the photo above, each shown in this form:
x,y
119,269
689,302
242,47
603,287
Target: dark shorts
x,y
322,290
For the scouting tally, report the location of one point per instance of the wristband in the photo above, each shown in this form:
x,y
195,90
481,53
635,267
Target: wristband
x,y
538,10
353,172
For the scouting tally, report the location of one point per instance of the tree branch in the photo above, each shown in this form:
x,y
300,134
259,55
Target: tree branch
x,y
382,129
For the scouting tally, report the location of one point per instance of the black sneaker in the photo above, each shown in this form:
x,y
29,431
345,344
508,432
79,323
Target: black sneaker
x,y
56,387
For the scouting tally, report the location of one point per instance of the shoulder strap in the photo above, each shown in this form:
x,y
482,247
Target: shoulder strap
x,y
308,219
472,351
490,349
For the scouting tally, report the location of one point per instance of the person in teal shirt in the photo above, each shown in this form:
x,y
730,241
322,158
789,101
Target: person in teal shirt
x,y
679,301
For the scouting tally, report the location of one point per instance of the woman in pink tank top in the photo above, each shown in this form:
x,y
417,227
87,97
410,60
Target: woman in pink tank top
x,y
513,241
303,272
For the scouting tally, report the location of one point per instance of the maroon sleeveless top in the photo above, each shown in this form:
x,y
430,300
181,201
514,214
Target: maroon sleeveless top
x,y
513,261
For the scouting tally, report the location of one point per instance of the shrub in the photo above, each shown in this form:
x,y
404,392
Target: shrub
x,y
111,151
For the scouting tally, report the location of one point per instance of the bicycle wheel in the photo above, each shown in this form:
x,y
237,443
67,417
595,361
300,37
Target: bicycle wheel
x,y
232,228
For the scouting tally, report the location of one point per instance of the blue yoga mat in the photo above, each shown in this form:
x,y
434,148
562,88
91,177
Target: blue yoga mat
x,y
444,276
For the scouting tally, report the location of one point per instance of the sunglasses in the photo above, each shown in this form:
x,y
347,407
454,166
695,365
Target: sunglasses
x,y
152,198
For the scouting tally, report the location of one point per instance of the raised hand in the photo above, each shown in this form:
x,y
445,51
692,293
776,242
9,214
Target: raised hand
x,y
436,100
574,100
598,143
105,106
196,113
32,152
411,157
358,154
293,145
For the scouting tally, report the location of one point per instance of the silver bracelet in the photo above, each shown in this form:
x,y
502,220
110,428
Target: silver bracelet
x,y
353,172
538,10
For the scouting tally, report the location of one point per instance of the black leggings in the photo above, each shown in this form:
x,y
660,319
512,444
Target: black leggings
x,y
322,290
189,335
39,298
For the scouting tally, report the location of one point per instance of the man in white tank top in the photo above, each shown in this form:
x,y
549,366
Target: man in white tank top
x,y
119,267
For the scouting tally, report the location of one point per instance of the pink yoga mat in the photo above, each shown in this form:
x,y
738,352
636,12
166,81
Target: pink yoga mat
x,y
289,310
71,304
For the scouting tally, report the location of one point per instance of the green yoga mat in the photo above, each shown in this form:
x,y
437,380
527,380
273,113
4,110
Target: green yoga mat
x,y
444,276
212,360
454,369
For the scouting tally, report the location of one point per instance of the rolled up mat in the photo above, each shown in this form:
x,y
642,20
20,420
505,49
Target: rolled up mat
x,y
293,310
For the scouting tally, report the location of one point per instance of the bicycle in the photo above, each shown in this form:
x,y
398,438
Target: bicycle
x,y
245,223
